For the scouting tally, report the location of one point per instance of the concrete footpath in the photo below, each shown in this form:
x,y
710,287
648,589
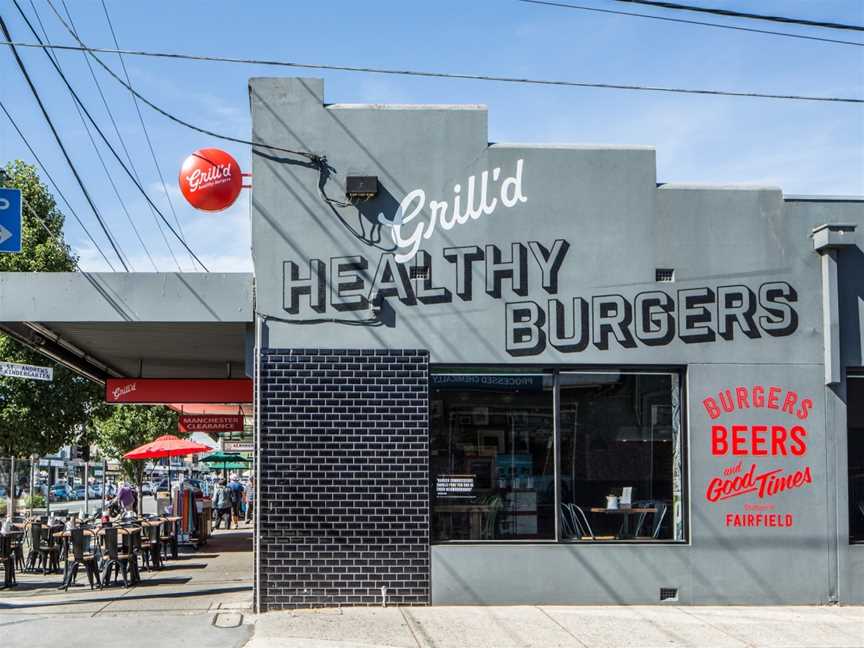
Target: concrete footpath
x,y
563,626
200,600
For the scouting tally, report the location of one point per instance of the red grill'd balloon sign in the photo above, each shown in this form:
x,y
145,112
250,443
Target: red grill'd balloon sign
x,y
210,180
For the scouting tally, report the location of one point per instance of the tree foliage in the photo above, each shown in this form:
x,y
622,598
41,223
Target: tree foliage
x,y
42,246
128,426
38,417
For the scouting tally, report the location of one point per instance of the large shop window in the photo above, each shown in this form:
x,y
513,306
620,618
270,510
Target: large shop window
x,y
493,454
855,452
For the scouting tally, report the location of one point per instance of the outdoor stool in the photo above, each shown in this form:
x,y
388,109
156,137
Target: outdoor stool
x,y
132,546
38,557
7,558
168,538
80,557
153,531
50,549
18,550
33,532
145,547
113,558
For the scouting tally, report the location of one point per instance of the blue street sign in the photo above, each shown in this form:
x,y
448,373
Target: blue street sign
x,y
10,220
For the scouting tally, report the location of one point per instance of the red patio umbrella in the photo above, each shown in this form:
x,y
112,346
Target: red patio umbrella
x,y
167,446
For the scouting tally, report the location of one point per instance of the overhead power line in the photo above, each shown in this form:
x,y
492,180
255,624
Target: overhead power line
x,y
56,187
411,73
318,160
102,135
98,153
71,164
742,14
565,5
120,138
143,128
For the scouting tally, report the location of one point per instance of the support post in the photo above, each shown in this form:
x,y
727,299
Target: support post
x,y
33,460
10,510
86,489
828,240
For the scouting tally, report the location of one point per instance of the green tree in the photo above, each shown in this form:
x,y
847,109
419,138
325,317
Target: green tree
x,y
128,426
42,246
38,417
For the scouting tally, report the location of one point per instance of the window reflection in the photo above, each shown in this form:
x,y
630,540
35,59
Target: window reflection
x,y
492,457
620,457
855,454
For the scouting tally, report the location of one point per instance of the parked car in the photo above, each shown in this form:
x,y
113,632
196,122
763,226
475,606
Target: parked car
x,y
60,493
161,487
78,493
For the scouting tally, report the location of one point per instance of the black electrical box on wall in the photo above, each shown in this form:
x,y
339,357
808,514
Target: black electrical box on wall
x,y
361,186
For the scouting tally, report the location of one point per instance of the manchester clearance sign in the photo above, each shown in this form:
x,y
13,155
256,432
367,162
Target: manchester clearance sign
x,y
210,423
32,372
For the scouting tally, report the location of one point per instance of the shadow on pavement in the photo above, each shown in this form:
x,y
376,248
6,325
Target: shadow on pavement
x,y
212,591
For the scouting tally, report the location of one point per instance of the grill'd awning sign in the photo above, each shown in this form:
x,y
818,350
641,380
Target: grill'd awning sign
x,y
210,423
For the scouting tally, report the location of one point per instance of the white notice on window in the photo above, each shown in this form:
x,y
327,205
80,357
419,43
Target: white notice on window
x,y
454,486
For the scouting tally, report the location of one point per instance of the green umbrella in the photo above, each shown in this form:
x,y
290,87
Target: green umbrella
x,y
226,460
232,466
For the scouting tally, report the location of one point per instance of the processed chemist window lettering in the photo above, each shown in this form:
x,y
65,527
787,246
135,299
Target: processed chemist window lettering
x,y
621,453
492,456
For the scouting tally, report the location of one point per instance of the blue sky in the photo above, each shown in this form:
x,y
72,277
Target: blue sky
x,y
805,148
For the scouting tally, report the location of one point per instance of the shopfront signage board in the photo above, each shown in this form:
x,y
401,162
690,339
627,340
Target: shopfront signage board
x,y
238,446
212,423
163,391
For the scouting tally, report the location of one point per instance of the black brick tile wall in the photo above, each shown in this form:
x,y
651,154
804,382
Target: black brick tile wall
x,y
344,491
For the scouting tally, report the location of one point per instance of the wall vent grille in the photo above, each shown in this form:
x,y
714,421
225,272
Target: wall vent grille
x,y
419,272
664,275
668,593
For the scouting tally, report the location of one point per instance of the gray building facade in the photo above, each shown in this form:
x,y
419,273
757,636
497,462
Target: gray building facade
x,y
592,336
510,373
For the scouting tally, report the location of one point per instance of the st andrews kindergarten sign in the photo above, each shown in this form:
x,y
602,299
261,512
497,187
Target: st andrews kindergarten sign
x,y
32,372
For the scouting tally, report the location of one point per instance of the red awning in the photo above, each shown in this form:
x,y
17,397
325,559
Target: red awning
x,y
244,409
167,446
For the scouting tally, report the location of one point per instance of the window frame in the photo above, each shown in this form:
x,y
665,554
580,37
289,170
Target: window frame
x,y
555,371
856,374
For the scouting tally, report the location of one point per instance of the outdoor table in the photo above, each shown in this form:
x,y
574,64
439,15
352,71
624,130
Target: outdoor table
x,y
155,548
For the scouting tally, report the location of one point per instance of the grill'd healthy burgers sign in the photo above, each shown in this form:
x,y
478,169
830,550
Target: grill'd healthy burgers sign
x,y
538,312
752,453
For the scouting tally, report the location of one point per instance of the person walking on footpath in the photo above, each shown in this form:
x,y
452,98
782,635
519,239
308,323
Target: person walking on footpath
x,y
221,504
235,495
126,497
250,501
